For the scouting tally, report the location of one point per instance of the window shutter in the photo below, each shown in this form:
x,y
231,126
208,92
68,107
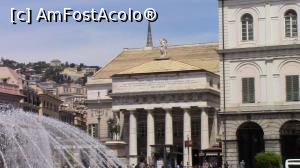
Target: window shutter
x,y
289,86
251,90
296,88
248,90
244,90
292,88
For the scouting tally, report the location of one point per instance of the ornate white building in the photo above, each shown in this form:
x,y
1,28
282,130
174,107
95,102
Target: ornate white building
x,y
260,67
159,102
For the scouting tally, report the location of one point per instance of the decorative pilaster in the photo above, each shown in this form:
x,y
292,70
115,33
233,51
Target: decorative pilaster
x,y
150,134
132,138
187,151
204,130
169,127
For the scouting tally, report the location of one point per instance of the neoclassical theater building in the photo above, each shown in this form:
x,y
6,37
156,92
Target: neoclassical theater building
x,y
161,102
260,67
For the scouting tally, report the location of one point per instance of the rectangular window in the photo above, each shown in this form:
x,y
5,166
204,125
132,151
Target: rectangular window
x,y
93,130
248,90
292,88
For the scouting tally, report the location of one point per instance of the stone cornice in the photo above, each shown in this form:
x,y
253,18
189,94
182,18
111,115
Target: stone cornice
x,y
170,72
260,49
164,92
263,112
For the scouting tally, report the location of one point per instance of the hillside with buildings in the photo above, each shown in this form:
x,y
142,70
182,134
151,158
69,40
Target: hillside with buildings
x,y
54,71
52,89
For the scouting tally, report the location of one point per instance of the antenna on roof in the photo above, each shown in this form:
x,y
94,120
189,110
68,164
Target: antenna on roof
x,y
149,44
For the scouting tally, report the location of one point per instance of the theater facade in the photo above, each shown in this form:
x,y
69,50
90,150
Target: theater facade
x,y
166,106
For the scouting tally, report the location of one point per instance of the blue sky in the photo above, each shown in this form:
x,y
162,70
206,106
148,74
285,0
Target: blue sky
x,y
181,22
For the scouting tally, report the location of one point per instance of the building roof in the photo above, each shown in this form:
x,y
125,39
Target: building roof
x,y
159,66
13,77
185,57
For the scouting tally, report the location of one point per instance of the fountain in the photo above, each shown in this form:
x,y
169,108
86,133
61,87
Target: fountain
x,y
30,141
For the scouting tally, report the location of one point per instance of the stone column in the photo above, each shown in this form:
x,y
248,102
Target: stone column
x,y
122,120
215,127
150,134
169,127
132,138
187,134
204,130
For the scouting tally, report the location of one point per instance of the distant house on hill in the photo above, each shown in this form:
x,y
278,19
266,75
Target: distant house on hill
x,y
55,63
73,73
10,76
11,84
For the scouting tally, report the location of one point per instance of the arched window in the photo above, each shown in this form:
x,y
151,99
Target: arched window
x,y
247,27
291,24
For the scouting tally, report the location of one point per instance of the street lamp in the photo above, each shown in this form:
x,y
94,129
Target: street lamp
x,y
188,144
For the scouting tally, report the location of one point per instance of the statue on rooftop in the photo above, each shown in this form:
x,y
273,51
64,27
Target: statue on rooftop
x,y
163,48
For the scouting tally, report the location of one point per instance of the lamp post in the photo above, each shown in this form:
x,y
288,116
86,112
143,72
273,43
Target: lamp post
x,y
188,144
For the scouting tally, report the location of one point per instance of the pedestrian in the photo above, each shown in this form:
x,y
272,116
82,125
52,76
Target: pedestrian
x,y
142,165
242,164
226,165
205,164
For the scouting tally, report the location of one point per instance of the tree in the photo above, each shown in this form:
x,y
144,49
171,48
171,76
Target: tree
x,y
268,160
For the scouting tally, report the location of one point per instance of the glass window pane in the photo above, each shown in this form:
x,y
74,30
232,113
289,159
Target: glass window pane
x,y
248,90
291,24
